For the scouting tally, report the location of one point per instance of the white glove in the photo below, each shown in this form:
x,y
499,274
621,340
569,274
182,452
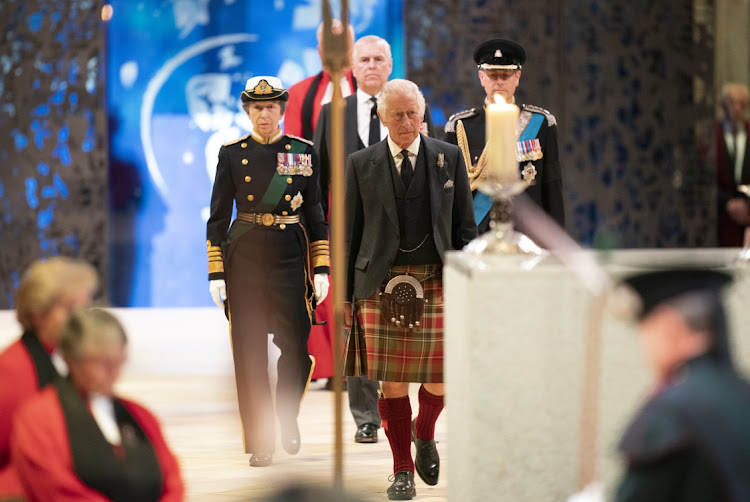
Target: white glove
x,y
593,492
321,287
218,290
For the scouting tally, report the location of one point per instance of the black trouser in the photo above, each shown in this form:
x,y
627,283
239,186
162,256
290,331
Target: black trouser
x,y
266,286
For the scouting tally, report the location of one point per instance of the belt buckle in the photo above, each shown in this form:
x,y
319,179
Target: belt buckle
x,y
267,219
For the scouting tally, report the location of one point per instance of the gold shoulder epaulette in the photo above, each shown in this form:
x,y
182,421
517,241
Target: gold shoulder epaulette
x,y
300,139
551,120
450,126
237,140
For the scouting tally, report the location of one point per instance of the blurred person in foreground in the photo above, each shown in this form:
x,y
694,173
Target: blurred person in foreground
x,y
268,266
47,294
77,441
408,201
691,439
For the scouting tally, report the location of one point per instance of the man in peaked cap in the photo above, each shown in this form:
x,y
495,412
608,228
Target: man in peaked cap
x,y
691,440
499,65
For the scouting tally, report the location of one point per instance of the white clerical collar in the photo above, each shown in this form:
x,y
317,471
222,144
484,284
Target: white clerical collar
x,y
103,410
413,148
267,141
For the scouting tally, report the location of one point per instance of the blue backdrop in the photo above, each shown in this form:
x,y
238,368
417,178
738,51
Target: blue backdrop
x,y
175,71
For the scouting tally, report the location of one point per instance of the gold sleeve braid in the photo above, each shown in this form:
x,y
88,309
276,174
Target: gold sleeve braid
x,y
320,254
215,259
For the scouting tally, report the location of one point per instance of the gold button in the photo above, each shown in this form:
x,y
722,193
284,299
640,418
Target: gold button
x,y
288,147
247,179
284,213
289,181
244,162
287,197
244,145
250,198
282,226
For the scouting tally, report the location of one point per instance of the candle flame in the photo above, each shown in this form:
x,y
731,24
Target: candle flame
x,y
499,100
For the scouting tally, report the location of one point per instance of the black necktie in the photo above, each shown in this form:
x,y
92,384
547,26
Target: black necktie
x,y
374,122
406,170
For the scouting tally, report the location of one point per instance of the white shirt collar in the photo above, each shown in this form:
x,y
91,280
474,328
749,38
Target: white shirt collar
x,y
413,148
364,98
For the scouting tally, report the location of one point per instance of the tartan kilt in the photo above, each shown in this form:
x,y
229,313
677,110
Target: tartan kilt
x,y
396,354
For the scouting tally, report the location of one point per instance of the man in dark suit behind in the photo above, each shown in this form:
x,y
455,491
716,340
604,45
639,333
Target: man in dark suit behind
x,y
372,64
408,201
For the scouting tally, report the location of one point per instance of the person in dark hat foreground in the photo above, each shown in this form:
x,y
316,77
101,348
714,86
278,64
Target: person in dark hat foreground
x,y
268,271
691,439
499,64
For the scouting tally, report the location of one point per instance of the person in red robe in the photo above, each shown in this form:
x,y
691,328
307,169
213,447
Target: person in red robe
x,y
732,139
307,97
306,100
43,302
77,441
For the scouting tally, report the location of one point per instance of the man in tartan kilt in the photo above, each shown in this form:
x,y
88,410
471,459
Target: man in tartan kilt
x,y
408,201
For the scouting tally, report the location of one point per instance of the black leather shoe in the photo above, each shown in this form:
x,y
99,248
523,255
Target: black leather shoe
x,y
427,460
366,433
290,439
403,486
261,459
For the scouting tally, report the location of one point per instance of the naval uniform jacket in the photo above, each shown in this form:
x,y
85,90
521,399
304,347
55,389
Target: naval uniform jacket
x,y
372,226
691,441
547,188
244,172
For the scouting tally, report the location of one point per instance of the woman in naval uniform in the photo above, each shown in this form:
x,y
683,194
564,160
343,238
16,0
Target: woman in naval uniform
x,y
268,269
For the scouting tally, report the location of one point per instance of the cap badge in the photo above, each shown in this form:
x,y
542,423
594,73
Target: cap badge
x,y
263,87
498,53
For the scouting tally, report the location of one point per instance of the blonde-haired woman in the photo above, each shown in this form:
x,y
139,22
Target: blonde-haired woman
x,y
47,294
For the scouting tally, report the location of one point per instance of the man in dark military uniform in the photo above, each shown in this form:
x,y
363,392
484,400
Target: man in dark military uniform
x,y
499,62
691,440
268,259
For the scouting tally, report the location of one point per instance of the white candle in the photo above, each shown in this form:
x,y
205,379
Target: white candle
x,y
502,120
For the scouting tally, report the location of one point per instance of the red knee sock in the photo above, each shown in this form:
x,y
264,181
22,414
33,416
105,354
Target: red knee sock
x,y
430,407
396,416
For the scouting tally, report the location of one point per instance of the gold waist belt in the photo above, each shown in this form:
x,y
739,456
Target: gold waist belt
x,y
268,219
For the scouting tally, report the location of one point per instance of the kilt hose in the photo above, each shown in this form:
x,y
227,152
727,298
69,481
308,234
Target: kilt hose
x,y
396,354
